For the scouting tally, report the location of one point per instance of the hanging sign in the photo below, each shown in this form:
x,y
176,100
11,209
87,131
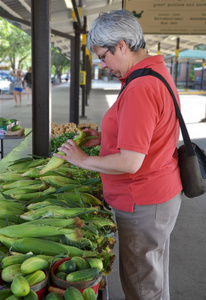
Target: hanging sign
x,y
169,16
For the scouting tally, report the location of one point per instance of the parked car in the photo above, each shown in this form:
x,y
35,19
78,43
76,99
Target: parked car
x,y
6,75
4,85
65,77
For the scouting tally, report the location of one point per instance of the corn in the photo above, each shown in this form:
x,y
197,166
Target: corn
x,y
31,230
85,197
58,181
10,176
76,221
45,247
33,173
56,212
34,245
20,183
19,165
56,162
10,204
26,195
38,162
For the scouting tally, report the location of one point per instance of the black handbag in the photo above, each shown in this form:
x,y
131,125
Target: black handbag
x,y
192,159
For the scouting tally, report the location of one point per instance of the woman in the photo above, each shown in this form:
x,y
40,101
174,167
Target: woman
x,y
28,81
138,159
18,86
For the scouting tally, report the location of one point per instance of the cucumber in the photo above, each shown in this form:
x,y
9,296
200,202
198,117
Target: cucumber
x,y
53,296
83,275
31,296
4,294
35,277
13,259
89,294
73,293
67,266
20,286
81,263
95,263
10,272
15,127
33,264
61,275
13,297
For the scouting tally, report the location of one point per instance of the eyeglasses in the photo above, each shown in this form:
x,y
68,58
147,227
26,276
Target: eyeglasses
x,y
103,56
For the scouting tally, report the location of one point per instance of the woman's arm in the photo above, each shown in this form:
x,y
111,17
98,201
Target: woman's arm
x,y
119,163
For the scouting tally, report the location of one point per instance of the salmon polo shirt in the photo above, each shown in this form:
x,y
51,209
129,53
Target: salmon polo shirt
x,y
143,119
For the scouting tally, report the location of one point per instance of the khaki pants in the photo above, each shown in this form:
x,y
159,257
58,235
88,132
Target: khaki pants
x,y
144,237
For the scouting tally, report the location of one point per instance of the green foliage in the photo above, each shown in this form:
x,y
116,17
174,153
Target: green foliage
x,y
60,63
15,45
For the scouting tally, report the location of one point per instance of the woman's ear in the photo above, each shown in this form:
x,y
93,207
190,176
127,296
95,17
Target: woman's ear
x,y
122,46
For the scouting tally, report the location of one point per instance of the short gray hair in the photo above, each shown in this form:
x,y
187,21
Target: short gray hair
x,y
110,28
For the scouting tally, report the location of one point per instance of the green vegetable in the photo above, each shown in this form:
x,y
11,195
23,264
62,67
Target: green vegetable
x,y
83,275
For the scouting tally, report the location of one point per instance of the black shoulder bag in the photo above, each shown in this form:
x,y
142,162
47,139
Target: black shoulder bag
x,y
192,159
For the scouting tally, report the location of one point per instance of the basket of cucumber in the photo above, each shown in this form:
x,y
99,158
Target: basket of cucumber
x,y
77,272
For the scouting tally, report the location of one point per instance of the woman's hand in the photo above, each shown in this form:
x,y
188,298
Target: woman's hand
x,y
73,154
94,141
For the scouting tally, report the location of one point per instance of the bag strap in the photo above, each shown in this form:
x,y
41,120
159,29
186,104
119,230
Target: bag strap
x,y
149,71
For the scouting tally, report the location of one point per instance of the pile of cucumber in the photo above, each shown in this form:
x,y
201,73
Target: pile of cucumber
x,y
73,293
78,269
20,273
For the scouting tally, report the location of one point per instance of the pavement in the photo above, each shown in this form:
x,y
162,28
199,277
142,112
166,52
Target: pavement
x,y
188,240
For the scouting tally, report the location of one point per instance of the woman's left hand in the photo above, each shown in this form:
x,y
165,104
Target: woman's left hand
x,y
73,153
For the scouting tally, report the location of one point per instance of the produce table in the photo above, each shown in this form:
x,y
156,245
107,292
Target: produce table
x,y
27,131
22,150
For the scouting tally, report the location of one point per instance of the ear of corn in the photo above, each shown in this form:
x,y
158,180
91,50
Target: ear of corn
x,y
34,245
38,162
31,230
56,212
20,183
86,198
57,180
76,221
56,162
10,176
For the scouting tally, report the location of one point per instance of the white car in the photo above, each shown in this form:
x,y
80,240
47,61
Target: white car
x,y
4,85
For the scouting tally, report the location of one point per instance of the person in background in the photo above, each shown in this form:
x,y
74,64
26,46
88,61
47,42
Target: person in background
x,y
138,160
18,86
28,82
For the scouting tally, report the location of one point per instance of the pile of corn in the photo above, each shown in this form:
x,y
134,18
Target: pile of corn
x,y
50,207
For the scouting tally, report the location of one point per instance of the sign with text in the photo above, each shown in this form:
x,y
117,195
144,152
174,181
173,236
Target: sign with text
x,y
169,16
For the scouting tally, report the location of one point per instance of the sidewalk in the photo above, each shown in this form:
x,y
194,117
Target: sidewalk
x,y
188,241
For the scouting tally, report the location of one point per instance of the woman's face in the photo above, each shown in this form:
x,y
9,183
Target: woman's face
x,y
109,60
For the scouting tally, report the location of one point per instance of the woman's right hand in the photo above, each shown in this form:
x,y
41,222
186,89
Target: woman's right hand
x,y
94,141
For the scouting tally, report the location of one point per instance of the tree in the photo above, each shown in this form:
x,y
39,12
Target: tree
x,y
59,62
15,45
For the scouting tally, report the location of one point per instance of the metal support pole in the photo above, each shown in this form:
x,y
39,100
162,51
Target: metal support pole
x,y
187,74
176,59
75,62
41,86
84,86
202,76
171,66
158,48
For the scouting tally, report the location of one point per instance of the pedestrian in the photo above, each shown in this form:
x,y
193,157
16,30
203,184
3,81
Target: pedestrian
x,y
138,160
28,82
18,86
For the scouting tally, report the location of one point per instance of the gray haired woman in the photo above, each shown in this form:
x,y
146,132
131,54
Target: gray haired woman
x,y
138,160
